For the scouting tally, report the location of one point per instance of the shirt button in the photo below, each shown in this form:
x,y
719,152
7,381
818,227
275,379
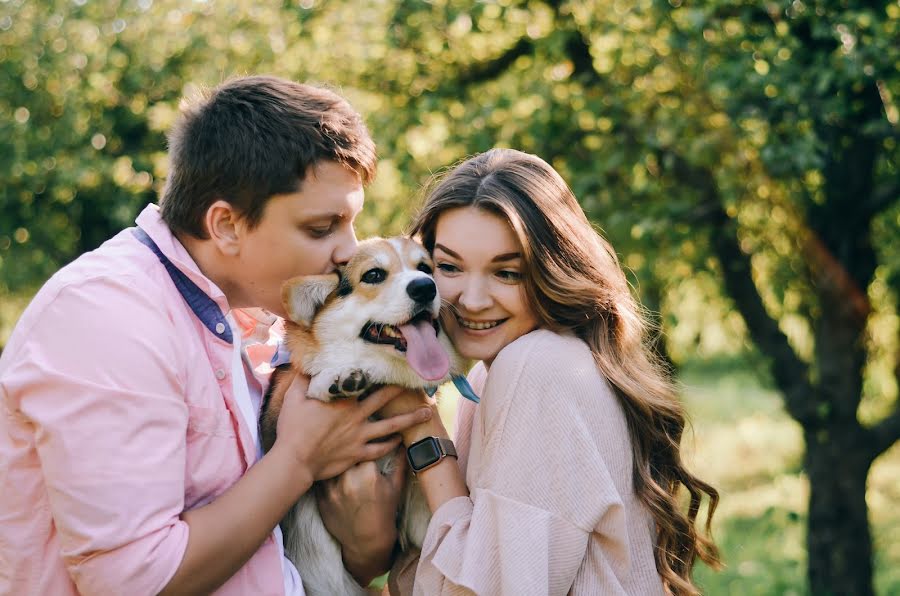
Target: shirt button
x,y
220,328
220,374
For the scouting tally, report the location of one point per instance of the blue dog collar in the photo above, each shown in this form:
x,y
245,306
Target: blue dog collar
x,y
462,385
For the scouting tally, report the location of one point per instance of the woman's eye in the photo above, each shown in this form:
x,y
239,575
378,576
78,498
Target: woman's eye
x,y
424,268
374,276
448,268
509,276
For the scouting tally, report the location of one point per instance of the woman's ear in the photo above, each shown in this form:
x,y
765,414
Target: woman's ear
x,y
222,224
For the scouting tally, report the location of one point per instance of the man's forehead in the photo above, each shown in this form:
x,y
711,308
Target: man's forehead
x,y
330,189
327,205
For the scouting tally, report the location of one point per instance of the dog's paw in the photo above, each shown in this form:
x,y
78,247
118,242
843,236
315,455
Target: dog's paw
x,y
334,384
350,384
320,387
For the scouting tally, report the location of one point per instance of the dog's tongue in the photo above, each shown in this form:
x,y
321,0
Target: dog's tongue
x,y
423,351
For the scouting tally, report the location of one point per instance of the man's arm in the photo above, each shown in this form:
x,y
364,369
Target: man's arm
x,y
226,533
323,440
99,383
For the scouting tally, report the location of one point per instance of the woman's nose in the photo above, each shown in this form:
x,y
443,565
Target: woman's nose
x,y
475,296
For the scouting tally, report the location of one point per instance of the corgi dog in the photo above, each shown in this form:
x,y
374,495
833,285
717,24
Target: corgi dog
x,y
373,322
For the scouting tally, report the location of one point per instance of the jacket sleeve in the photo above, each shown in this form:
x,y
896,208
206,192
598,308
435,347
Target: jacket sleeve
x,y
101,389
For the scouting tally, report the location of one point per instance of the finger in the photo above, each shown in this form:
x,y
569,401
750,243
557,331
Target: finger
x,y
323,490
358,473
331,486
298,387
379,398
372,451
396,424
398,469
346,482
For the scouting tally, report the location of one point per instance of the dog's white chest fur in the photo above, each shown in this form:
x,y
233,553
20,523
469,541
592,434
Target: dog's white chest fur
x,y
374,323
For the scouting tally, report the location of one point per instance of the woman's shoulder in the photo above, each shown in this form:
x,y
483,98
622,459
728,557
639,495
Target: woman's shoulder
x,y
542,364
544,350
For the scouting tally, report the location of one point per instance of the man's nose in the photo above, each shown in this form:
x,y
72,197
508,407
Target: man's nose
x,y
345,249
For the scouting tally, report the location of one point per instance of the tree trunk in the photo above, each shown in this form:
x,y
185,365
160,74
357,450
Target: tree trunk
x,y
838,539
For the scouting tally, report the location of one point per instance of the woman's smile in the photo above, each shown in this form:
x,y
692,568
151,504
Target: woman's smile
x,y
473,325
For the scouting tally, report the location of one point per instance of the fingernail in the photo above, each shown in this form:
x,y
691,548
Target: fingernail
x,y
424,414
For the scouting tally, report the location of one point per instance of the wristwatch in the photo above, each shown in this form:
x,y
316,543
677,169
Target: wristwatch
x,y
429,451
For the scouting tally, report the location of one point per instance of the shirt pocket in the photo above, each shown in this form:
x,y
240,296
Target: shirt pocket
x,y
214,461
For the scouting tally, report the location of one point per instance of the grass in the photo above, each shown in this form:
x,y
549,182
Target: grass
x,y
746,445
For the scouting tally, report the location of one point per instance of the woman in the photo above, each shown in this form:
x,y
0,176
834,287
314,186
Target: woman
x,y
569,469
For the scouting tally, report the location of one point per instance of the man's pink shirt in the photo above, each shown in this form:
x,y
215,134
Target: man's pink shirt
x,y
117,414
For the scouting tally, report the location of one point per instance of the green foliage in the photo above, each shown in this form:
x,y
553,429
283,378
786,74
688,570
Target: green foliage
x,y
736,153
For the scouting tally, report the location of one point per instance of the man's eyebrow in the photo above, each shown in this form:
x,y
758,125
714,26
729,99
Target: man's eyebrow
x,y
329,215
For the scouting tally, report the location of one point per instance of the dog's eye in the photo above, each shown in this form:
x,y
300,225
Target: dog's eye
x,y
424,268
374,276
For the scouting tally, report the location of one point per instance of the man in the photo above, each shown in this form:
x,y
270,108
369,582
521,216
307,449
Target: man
x,y
129,452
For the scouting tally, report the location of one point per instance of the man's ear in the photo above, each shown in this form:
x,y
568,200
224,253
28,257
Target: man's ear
x,y
221,221
303,296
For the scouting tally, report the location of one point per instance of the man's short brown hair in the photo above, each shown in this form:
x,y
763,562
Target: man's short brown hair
x,y
252,138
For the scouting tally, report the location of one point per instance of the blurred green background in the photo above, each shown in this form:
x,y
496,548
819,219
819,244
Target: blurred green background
x,y
742,157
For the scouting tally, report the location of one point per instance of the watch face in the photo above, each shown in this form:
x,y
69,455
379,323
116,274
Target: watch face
x,y
423,453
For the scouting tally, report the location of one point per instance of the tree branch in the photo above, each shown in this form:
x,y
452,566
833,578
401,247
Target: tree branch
x,y
486,71
577,49
885,433
882,197
790,372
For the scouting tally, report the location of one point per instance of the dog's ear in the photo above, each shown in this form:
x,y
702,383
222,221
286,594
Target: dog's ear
x,y
302,296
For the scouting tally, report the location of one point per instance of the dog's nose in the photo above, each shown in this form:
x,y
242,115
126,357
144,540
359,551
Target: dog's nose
x,y
422,289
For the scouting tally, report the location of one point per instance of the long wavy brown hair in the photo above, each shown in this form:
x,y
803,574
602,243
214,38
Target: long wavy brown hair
x,y
573,281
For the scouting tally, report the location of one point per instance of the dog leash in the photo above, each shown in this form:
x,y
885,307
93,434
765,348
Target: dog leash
x,y
283,356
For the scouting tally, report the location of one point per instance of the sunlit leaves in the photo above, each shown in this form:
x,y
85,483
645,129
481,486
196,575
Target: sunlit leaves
x,y
609,91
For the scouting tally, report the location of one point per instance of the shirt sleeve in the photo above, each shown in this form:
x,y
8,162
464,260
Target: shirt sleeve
x,y
403,572
100,387
541,486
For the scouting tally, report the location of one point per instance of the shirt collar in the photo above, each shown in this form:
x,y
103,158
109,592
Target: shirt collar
x,y
255,325
152,223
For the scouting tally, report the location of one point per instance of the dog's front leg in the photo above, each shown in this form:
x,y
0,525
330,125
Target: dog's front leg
x,y
414,515
336,382
315,553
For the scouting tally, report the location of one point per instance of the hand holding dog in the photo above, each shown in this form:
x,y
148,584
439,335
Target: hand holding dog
x,y
408,401
359,508
327,438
